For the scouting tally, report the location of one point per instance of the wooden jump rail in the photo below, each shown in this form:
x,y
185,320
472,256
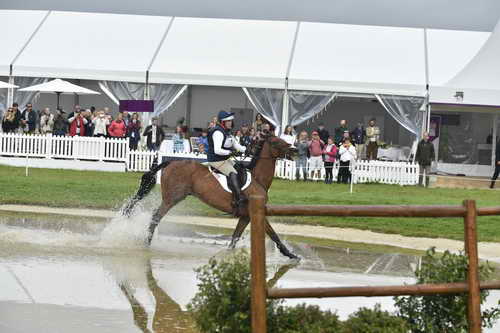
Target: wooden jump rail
x,y
258,212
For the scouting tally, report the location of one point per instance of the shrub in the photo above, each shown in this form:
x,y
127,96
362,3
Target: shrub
x,y
305,318
443,313
222,303
374,321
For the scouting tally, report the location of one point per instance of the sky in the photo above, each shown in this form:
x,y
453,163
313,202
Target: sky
x,y
479,15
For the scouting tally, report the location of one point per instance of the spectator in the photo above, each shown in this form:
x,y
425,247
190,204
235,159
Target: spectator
x,y
259,121
424,157
323,133
288,136
497,166
373,136
347,154
316,147
339,131
60,123
330,152
345,136
17,117
101,122
203,140
29,119
252,134
9,121
238,136
126,118
246,139
76,109
89,126
178,140
134,131
46,122
117,128
358,137
302,145
154,135
77,124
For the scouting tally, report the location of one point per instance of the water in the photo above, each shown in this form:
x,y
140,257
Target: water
x,y
88,275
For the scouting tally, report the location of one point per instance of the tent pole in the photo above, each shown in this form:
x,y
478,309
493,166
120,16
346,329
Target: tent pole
x,y
58,99
494,140
10,91
285,111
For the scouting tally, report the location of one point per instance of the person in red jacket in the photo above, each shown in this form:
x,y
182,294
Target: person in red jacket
x,y
117,129
77,124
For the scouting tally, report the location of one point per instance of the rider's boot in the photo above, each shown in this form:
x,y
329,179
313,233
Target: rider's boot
x,y
239,197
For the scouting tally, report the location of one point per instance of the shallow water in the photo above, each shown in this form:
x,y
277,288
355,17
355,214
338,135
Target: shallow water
x,y
66,274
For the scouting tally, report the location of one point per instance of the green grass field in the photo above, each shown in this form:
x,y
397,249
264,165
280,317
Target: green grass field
x,y
65,188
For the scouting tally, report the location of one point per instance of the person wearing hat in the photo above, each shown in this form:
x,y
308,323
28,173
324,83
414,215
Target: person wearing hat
x,y
221,145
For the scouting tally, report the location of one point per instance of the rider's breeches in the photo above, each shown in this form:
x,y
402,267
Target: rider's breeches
x,y
226,167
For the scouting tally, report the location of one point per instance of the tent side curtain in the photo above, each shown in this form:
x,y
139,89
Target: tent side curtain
x,y
163,95
406,110
268,102
22,97
303,105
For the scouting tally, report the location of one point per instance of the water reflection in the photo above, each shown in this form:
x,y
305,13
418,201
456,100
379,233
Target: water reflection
x,y
168,316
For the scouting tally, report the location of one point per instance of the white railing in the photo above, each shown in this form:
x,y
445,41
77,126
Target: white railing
x,y
117,150
401,173
64,147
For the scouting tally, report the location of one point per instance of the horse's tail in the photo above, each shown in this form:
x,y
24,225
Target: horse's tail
x,y
148,182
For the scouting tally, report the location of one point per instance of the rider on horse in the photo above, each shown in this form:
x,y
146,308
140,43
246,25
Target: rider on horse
x,y
221,146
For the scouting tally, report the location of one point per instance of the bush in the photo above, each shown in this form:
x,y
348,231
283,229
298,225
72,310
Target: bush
x,y
374,321
222,303
443,313
304,318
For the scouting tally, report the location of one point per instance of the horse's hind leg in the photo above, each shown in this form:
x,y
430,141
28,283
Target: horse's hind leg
x,y
240,227
157,216
274,236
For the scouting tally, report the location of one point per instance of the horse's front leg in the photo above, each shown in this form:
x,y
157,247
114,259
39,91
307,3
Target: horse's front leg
x,y
240,227
274,236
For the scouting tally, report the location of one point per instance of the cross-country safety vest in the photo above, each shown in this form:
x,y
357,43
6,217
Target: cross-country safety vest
x,y
227,143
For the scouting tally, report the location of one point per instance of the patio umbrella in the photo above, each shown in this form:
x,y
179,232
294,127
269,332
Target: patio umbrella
x,y
5,85
59,87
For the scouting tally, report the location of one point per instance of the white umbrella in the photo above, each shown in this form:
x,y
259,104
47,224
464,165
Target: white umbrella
x,y
5,85
59,87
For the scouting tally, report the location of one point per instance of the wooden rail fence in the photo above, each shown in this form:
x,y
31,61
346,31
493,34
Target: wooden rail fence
x,y
468,211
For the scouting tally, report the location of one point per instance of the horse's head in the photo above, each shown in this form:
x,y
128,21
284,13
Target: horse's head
x,y
279,148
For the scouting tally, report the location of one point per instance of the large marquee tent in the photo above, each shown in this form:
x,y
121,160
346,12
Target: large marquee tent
x,y
282,65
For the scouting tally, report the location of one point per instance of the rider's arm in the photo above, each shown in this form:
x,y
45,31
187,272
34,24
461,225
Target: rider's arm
x,y
239,147
218,139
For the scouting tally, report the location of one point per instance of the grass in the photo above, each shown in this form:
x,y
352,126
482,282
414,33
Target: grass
x,y
67,188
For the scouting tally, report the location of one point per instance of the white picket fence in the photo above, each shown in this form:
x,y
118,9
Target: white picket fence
x,y
64,147
401,173
117,150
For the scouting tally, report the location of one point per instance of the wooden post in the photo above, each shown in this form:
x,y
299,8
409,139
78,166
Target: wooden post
x,y
474,299
257,211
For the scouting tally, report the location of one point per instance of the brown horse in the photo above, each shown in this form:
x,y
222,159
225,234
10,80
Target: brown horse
x,y
182,178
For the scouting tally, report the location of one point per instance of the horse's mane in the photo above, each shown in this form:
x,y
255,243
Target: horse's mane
x,y
258,149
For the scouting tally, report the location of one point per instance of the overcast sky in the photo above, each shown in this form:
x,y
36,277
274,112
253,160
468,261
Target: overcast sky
x,y
479,15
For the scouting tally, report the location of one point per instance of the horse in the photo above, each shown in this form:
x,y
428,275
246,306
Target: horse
x,y
187,177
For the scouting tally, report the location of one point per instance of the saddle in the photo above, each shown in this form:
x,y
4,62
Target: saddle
x,y
244,176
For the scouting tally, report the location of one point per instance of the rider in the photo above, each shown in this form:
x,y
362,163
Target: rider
x,y
221,145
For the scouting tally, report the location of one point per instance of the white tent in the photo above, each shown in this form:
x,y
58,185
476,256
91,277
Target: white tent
x,y
92,46
224,52
17,26
359,59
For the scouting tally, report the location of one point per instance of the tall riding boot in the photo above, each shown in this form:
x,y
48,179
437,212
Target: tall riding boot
x,y
239,197
492,185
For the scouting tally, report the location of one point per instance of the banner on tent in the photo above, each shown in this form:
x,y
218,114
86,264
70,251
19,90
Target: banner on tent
x,y
137,105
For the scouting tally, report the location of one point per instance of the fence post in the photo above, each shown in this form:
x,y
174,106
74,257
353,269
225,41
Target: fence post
x,y
257,212
474,297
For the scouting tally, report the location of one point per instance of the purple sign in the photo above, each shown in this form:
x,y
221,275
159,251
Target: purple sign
x,y
137,105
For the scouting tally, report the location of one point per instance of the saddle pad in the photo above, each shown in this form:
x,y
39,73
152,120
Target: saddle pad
x,y
222,179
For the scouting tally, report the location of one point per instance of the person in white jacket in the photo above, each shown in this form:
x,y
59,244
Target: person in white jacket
x,y
347,154
100,123
46,122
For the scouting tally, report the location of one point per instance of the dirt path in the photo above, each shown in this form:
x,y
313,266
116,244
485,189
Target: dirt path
x,y
487,250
